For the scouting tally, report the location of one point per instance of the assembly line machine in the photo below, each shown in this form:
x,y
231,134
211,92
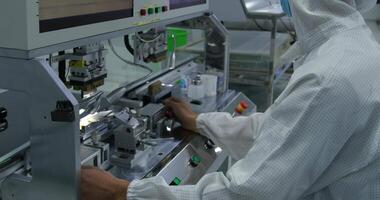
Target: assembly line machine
x,y
54,116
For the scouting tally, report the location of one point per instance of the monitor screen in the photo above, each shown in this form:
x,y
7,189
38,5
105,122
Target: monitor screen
x,y
61,14
175,4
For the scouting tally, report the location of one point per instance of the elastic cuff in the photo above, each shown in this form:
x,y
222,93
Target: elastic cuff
x,y
131,194
145,189
201,123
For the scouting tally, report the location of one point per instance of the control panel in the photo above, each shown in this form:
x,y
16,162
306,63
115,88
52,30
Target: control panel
x,y
147,11
152,8
202,155
192,162
149,7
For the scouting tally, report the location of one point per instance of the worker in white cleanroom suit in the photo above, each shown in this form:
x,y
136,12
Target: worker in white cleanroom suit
x,y
320,139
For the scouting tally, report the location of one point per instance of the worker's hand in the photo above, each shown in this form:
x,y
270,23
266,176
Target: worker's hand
x,y
97,184
182,112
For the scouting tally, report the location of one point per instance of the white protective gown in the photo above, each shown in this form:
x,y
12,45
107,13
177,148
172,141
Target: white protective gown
x,y
321,138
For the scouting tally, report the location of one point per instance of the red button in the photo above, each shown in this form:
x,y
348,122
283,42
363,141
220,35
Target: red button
x,y
142,12
244,104
241,107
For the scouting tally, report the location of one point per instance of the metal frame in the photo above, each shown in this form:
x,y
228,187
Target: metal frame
x,y
54,148
255,13
272,64
226,43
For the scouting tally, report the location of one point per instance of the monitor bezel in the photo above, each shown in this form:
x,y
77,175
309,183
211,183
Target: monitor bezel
x,y
54,24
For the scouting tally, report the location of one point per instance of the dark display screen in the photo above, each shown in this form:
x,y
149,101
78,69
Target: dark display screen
x,y
175,4
61,14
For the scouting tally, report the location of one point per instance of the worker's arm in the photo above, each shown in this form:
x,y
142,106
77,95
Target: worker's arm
x,y
299,138
97,184
233,135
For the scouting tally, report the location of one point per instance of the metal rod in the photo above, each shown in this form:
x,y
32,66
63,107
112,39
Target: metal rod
x,y
272,63
62,68
264,25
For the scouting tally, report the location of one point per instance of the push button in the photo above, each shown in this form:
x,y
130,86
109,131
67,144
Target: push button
x,y
241,107
164,8
157,9
176,181
244,104
142,12
150,11
194,161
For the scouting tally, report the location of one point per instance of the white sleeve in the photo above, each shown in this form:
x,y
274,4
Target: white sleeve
x,y
299,137
233,135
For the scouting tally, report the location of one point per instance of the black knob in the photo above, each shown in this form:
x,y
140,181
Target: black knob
x,y
209,144
3,113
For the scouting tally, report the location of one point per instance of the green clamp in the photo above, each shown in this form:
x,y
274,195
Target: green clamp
x,y
176,37
176,181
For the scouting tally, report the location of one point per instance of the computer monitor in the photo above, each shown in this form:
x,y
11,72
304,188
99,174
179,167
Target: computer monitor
x,y
58,14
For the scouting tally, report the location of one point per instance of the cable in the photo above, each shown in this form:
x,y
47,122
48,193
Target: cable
x,y
128,45
258,25
150,71
127,61
93,101
148,41
67,73
62,67
288,29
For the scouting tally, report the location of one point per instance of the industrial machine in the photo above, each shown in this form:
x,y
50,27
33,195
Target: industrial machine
x,y
54,116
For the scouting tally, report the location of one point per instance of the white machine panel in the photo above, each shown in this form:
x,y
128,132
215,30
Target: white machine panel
x,y
41,23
